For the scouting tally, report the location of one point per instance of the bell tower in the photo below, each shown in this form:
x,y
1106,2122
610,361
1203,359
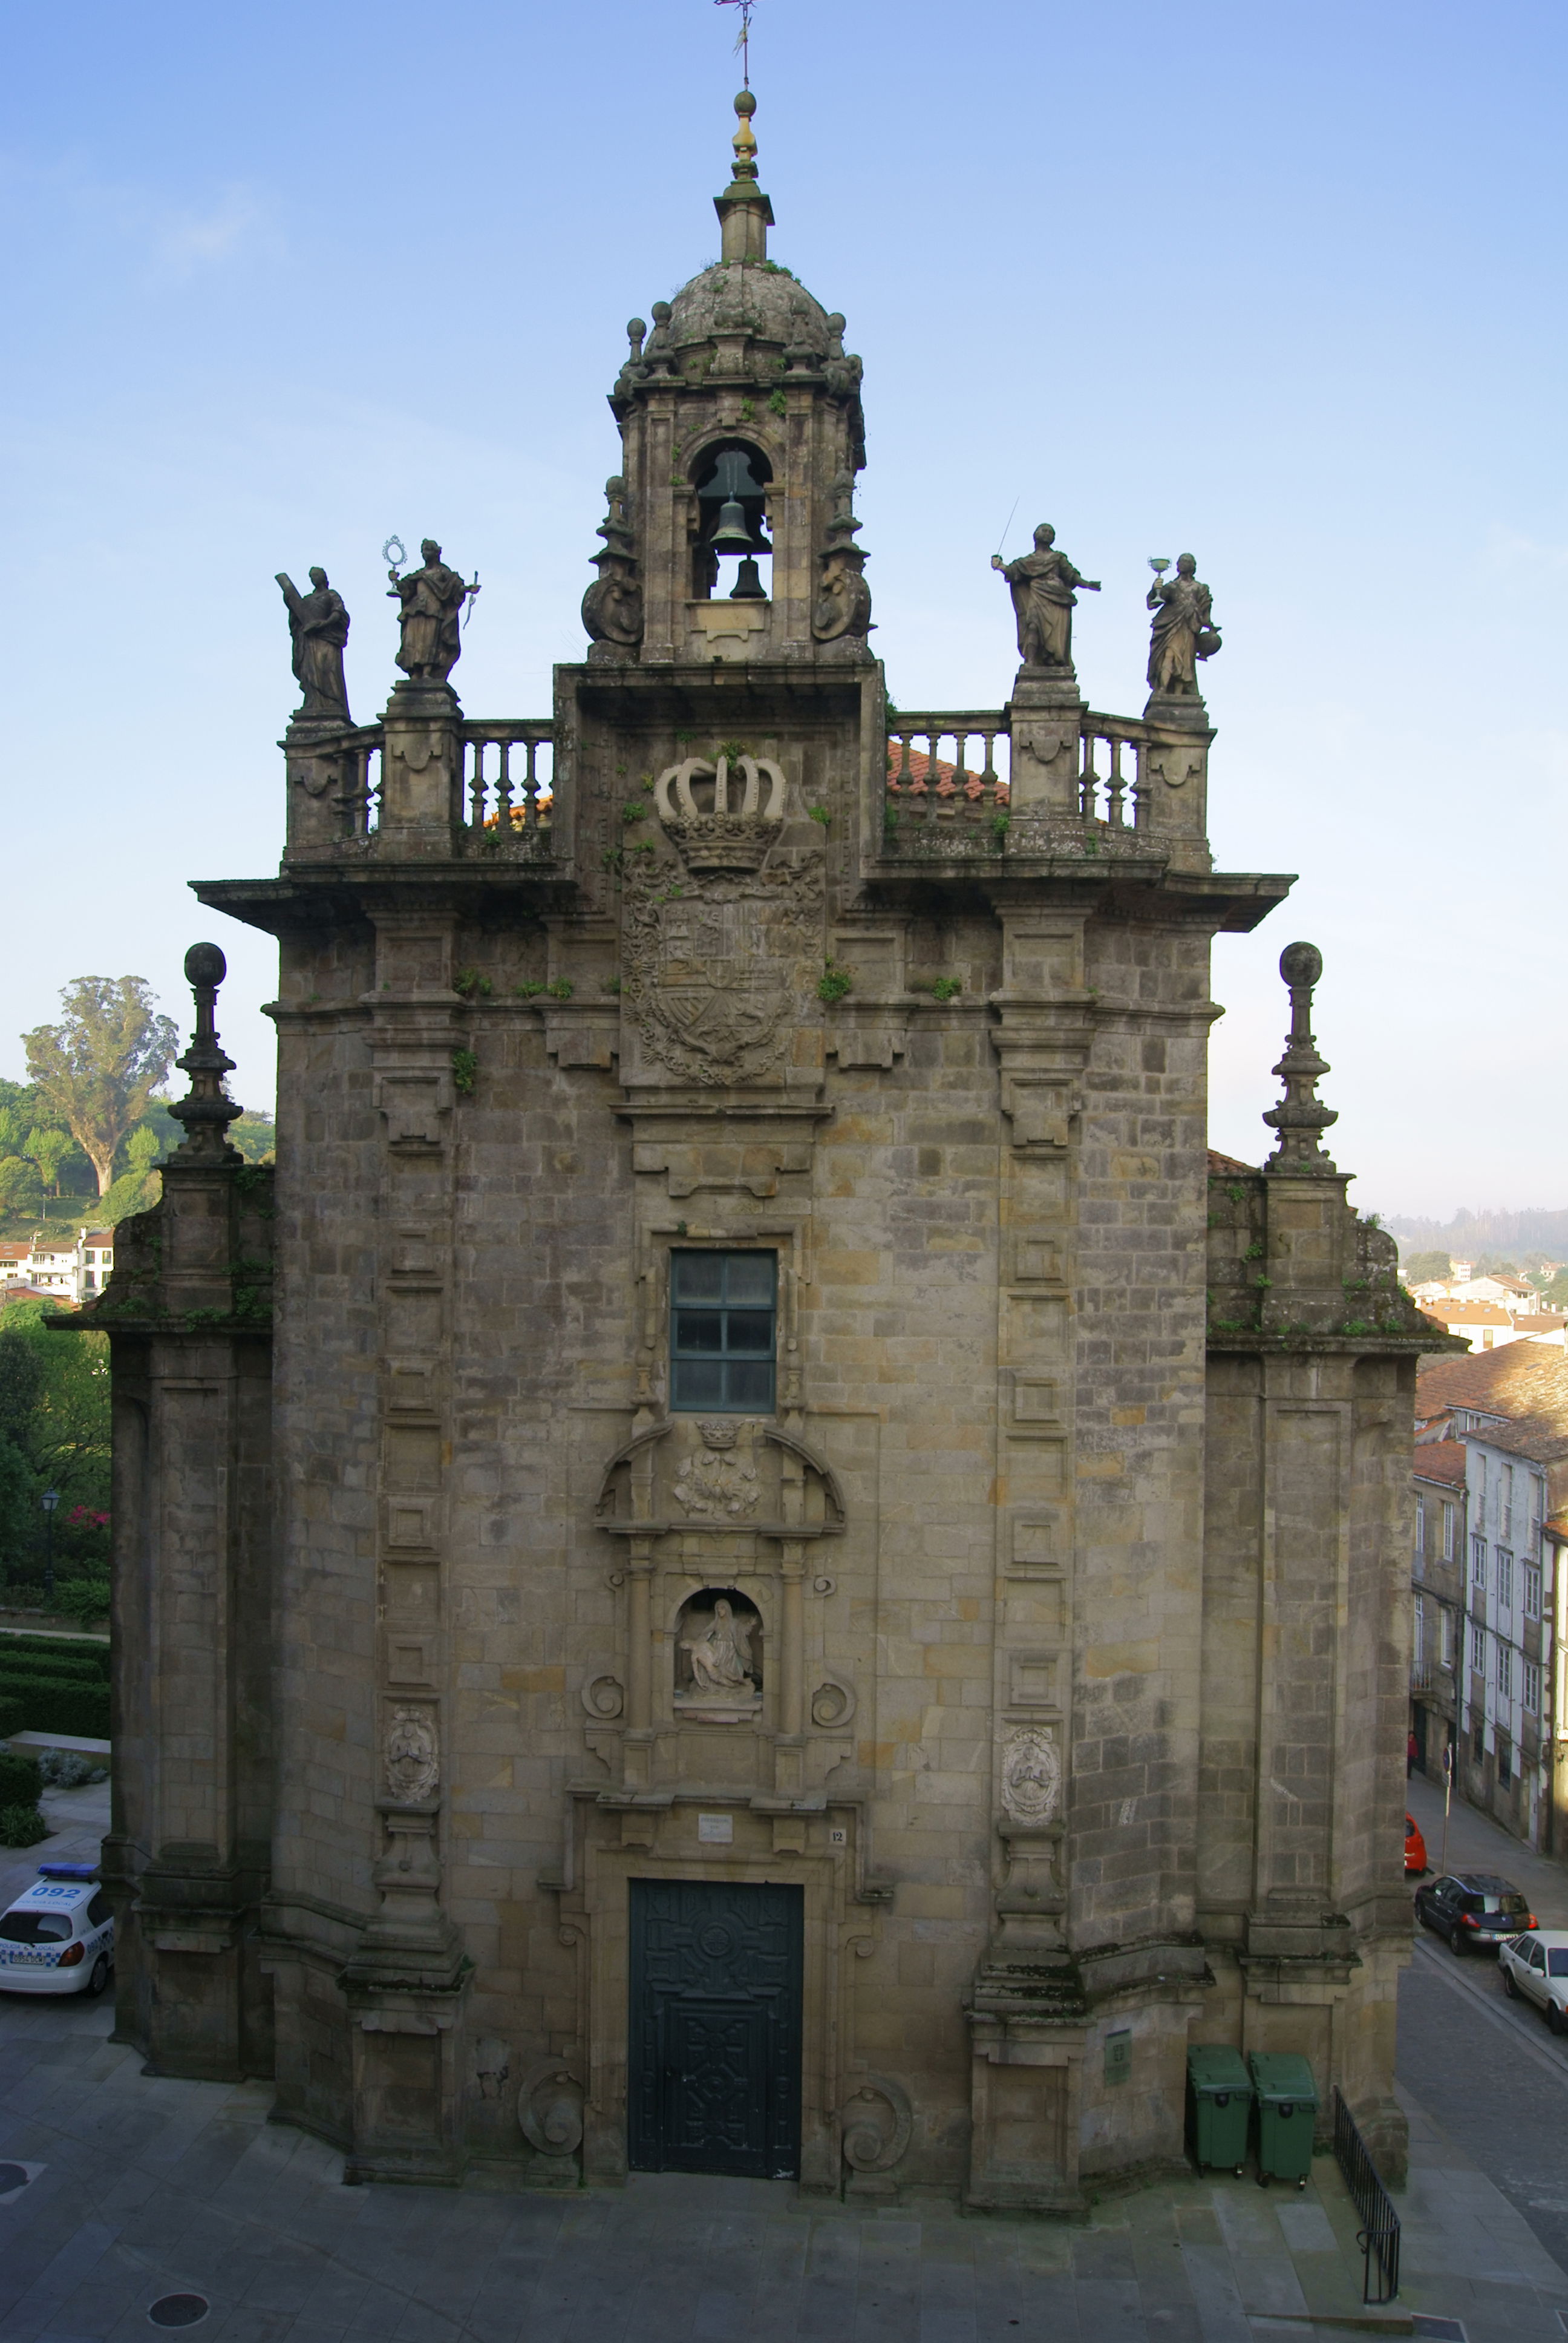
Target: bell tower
x,y
730,534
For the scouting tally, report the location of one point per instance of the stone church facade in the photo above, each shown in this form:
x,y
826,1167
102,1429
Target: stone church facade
x,y
747,1559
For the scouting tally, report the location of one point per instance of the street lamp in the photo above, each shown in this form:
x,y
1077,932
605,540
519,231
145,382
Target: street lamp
x,y
49,1500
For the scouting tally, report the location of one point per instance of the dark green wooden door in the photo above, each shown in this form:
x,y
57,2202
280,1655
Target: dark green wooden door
x,y
715,2028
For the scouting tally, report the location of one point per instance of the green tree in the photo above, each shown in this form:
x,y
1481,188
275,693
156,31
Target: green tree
x,y
21,1190
1421,1266
255,1135
55,1414
99,1068
48,1150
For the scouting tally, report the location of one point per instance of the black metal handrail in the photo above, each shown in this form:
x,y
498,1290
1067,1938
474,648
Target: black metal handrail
x,y
1378,2236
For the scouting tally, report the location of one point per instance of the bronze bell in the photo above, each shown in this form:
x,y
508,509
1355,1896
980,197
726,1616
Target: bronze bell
x,y
731,534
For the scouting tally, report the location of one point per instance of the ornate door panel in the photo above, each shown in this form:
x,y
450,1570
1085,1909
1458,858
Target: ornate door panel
x,y
715,2028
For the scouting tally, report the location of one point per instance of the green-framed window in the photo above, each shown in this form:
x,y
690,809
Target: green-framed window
x,y
723,1331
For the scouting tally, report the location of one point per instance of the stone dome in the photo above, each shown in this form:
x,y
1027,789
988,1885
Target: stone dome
x,y
752,296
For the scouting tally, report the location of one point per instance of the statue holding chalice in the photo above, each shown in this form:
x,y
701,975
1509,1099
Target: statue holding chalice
x,y
1184,632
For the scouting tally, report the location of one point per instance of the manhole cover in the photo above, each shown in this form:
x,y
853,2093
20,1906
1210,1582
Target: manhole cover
x,y
12,2176
178,2309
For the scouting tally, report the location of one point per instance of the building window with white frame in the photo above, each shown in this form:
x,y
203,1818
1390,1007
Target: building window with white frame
x,y
1503,1579
1532,1687
1478,1566
1505,1669
1507,1496
1530,1589
1420,1528
1420,1649
1448,1532
1478,1648
1445,1635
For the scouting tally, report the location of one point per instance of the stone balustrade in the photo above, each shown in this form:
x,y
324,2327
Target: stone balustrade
x,y
499,789
943,765
933,774
501,795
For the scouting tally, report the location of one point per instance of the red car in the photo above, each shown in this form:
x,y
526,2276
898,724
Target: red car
x,y
1414,1846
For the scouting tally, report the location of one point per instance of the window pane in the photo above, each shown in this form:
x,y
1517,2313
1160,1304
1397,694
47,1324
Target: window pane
x,y
750,1278
699,1330
696,1383
1557,1961
735,1324
698,1276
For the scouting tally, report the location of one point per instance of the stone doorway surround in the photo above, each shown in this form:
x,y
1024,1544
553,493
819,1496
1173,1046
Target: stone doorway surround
x,y
713,2027
676,1839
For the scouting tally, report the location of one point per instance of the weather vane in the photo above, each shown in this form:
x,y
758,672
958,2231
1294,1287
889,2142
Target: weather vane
x,y
743,37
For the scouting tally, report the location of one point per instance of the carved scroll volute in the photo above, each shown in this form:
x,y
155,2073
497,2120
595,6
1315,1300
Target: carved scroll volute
x,y
550,2108
877,2120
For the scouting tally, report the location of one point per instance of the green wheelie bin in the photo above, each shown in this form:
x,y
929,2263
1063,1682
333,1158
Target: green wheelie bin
x,y
1219,2106
1287,2115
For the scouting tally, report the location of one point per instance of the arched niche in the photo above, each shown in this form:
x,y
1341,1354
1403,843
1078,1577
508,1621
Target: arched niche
x,y
718,1657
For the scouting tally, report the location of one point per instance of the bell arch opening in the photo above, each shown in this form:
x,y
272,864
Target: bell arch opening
x,y
731,478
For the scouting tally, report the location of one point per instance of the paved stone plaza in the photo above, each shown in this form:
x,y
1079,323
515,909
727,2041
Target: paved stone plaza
x,y
145,2186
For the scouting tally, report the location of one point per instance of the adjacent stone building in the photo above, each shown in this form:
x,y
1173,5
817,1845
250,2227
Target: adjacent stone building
x,y
747,1560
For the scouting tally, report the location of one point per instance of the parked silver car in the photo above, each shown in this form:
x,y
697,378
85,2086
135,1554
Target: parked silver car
x,y
1536,1968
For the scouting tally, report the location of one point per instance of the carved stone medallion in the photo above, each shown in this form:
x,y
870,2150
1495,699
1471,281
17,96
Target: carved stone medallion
x,y
413,1765
1031,1774
715,965
714,1484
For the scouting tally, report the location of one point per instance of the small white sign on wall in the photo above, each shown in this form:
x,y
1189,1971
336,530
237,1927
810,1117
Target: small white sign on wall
x,y
716,1830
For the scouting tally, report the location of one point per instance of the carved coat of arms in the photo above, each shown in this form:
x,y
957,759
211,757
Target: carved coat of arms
x,y
714,965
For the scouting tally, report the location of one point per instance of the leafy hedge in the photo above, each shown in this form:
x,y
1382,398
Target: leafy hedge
x,y
21,1782
64,1647
46,1663
54,1704
22,1826
10,1714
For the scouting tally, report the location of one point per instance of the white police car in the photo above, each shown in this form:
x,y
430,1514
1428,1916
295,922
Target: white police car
x,y
59,1936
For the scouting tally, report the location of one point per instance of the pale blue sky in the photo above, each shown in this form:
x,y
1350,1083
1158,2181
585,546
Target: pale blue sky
x,y
1279,284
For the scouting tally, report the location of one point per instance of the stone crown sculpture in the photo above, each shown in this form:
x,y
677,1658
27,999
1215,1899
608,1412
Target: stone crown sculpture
x,y
720,836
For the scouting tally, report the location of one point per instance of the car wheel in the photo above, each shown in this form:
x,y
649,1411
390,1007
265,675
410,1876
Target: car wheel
x,y
1455,1941
99,1977
1554,2017
1509,1987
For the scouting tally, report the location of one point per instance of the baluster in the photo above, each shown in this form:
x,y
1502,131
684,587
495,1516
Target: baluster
x,y
988,770
1140,787
947,788
1113,741
1088,780
541,814
373,788
974,784
920,783
505,823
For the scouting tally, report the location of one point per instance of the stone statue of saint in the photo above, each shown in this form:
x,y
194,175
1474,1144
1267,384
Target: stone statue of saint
x,y
1043,587
318,623
432,598
721,1654
1183,631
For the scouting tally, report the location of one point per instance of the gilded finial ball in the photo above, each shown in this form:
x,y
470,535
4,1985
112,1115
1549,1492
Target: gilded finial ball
x,y
205,964
1301,965
746,103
